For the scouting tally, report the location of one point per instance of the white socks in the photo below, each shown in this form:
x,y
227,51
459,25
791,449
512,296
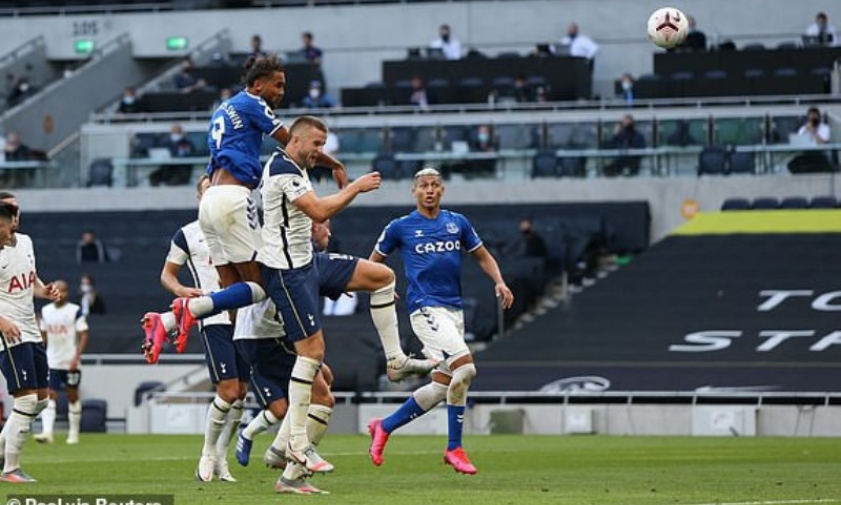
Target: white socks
x,y
384,315
217,413
230,427
74,417
318,419
17,429
48,418
300,394
261,422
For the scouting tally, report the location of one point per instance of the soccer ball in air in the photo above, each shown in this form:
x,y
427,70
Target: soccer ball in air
x,y
667,27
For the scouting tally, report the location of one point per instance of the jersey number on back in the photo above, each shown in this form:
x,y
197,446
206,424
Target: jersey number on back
x,y
218,131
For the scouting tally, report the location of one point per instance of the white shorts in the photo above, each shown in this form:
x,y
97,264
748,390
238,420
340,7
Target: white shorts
x,y
229,222
441,331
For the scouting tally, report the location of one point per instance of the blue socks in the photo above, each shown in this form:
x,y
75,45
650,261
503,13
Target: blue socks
x,y
233,297
407,412
455,413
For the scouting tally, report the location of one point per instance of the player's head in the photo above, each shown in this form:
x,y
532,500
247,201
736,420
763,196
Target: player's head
x,y
9,198
307,137
428,188
202,185
265,77
8,212
63,292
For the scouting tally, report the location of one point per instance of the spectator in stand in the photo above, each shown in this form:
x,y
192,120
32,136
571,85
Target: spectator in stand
x,y
696,40
815,128
22,89
816,132
317,98
179,147
449,45
824,32
185,81
257,46
89,299
522,90
419,95
15,149
129,103
90,249
312,54
626,88
533,245
224,95
483,141
579,44
625,136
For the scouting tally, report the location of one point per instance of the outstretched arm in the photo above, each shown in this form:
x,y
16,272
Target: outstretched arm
x,y
169,280
322,209
491,268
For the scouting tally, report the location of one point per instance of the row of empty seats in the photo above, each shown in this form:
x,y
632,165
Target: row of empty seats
x,y
771,203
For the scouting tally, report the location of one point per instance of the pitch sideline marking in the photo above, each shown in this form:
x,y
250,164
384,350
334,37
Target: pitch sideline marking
x,y
772,502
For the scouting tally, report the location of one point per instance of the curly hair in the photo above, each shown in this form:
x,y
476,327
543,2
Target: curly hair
x,y
260,67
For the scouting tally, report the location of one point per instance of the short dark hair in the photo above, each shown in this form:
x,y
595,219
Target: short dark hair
x,y
821,15
307,35
260,67
307,122
813,109
8,210
5,195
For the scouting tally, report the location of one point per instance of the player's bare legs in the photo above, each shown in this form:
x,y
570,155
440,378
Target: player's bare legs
x,y
378,279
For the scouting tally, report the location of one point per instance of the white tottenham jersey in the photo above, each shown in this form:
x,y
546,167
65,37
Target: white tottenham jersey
x,y
17,282
258,321
189,247
62,325
287,231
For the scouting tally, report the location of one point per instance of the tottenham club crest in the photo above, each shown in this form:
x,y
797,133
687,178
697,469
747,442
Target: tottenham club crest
x,y
452,228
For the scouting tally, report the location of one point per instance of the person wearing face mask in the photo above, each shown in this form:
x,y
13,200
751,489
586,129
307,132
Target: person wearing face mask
x,y
90,249
626,87
317,98
484,141
625,136
533,244
129,103
89,298
814,128
179,147
823,32
449,45
814,132
579,44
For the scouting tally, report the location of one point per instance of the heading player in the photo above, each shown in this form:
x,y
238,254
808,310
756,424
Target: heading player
x,y
23,359
227,214
64,329
295,277
431,241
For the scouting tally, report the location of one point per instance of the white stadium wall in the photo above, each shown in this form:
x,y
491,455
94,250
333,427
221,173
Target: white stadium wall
x,y
357,38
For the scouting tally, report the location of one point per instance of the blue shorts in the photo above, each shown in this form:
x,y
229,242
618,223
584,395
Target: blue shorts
x,y
25,366
296,291
60,379
271,362
223,360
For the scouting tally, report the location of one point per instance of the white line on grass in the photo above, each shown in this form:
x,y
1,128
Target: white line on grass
x,y
773,502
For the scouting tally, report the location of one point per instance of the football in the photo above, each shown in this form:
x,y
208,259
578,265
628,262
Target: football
x,y
667,27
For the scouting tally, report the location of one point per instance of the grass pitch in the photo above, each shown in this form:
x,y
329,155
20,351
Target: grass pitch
x,y
513,470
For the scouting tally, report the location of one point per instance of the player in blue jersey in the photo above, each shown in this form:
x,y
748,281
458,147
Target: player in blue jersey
x,y
227,215
431,241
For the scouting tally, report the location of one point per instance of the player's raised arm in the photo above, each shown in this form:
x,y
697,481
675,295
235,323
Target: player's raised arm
x,y
322,209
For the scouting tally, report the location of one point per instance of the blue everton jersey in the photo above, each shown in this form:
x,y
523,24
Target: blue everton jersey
x,y
236,135
431,251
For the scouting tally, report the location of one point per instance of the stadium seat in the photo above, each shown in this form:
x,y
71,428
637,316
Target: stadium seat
x,y
101,173
94,416
742,163
402,139
823,202
788,45
794,202
715,74
712,161
785,72
766,203
386,165
544,164
754,73
145,387
753,47
736,204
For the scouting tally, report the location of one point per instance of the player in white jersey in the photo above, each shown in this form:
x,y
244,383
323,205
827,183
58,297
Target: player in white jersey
x,y
261,338
23,359
64,329
294,277
228,370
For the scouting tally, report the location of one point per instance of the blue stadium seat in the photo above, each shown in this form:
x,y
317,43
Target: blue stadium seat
x,y
794,202
712,161
823,202
785,72
715,74
756,46
94,415
742,163
736,204
101,173
766,203
544,164
386,165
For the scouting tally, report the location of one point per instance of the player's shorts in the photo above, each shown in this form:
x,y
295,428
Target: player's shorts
x,y
441,331
60,379
296,292
271,360
228,219
25,366
220,354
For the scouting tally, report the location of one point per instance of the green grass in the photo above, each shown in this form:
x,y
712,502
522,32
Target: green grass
x,y
513,470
